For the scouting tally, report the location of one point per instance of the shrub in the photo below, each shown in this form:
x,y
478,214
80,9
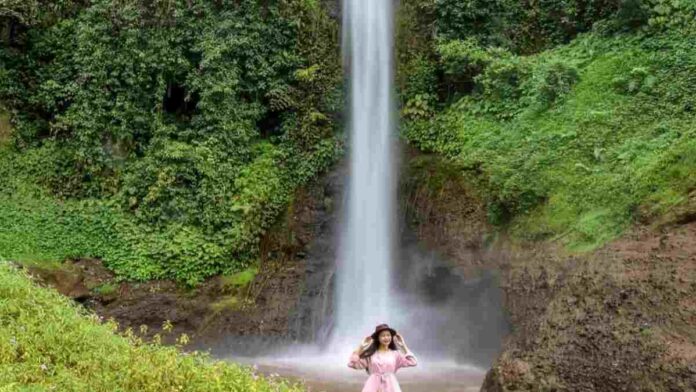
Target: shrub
x,y
551,82
655,15
524,27
420,78
665,14
463,56
418,107
638,79
457,19
631,15
501,86
502,79
166,136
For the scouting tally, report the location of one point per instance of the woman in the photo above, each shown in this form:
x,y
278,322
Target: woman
x,y
382,354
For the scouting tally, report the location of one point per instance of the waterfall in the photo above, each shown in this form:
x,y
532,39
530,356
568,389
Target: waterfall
x,y
433,305
364,263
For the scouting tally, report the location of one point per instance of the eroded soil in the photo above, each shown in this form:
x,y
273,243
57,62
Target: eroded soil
x,y
621,318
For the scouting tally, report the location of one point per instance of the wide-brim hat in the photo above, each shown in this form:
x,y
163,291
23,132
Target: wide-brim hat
x,y
382,327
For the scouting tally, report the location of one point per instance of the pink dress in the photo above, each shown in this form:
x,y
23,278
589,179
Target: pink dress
x,y
382,367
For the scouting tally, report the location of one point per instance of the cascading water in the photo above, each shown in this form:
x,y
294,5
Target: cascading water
x,y
365,253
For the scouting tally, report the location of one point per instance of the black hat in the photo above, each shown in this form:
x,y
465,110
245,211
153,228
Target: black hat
x,y
380,328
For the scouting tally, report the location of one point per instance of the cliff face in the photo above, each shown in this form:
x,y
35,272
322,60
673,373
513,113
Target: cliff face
x,y
618,318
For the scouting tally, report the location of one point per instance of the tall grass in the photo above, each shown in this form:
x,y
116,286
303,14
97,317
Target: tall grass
x,y
47,343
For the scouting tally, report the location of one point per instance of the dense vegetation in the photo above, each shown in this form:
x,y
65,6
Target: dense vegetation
x,y
68,350
575,118
163,137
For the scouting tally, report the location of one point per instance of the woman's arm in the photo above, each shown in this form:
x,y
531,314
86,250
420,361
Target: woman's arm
x,y
355,361
406,357
400,344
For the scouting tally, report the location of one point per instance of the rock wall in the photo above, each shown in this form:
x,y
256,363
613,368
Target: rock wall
x,y
617,319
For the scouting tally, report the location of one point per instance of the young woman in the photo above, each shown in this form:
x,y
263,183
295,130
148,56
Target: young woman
x,y
382,354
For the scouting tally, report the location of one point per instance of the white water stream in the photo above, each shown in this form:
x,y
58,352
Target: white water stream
x,y
365,253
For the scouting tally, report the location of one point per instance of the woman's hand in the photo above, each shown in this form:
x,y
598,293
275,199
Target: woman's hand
x,y
399,340
364,345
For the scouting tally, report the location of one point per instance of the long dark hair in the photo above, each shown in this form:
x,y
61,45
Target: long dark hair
x,y
367,354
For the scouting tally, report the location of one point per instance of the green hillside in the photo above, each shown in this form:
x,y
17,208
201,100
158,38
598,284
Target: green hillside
x,y
575,141
47,343
161,137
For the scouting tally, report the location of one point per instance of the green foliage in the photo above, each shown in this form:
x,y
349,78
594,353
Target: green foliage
x,y
418,107
240,279
49,343
5,129
478,18
565,142
631,15
551,82
38,227
523,27
167,136
36,12
189,183
637,79
529,27
473,46
664,14
416,71
502,81
654,15
464,56
460,61
422,79
576,143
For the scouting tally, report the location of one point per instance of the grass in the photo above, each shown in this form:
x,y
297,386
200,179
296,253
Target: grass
x,y
49,344
583,169
105,289
240,279
5,128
